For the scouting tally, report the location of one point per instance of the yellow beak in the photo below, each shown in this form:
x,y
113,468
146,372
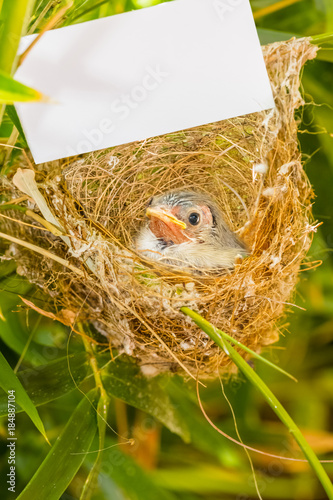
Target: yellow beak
x,y
165,216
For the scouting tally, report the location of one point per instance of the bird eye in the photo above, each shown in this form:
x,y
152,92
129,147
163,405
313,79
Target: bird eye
x,y
150,201
194,219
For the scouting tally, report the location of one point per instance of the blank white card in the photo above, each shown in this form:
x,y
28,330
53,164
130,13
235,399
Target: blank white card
x,y
141,74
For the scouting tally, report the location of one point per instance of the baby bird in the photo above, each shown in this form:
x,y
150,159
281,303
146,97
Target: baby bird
x,y
187,229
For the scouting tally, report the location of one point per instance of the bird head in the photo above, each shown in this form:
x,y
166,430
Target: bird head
x,y
184,216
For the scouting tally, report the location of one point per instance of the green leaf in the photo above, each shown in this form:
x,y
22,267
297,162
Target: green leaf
x,y
12,285
7,267
82,14
10,382
14,333
51,381
270,398
325,55
14,16
67,454
11,112
208,479
325,43
203,436
14,327
127,474
13,91
124,380
270,36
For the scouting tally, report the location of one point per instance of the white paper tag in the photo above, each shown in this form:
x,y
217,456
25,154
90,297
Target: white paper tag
x,y
140,74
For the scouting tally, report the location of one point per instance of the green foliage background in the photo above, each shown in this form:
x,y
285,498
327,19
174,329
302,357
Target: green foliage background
x,y
177,454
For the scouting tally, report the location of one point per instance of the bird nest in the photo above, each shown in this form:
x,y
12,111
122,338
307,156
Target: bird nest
x,y
95,205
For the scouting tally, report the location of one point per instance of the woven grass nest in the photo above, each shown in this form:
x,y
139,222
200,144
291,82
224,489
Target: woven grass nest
x,y
250,165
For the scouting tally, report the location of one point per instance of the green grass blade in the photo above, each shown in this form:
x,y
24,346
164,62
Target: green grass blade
x,y
254,354
324,41
12,91
92,479
270,36
322,38
273,402
10,382
66,455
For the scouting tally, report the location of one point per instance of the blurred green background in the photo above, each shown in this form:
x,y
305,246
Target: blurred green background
x,y
194,463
